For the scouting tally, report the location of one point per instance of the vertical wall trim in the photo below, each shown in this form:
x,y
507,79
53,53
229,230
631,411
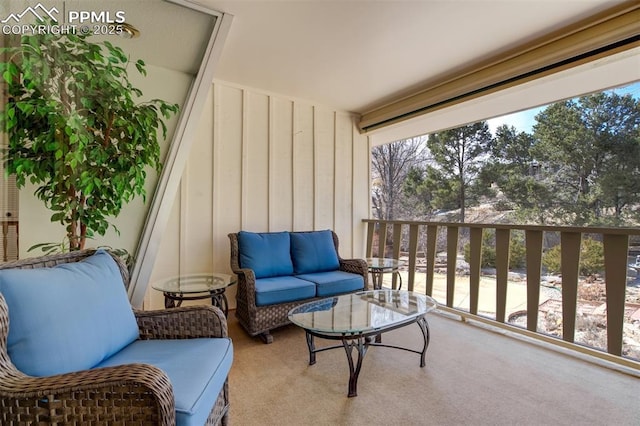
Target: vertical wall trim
x,y
270,147
294,170
314,162
183,216
244,179
369,201
335,168
352,213
334,146
292,142
215,156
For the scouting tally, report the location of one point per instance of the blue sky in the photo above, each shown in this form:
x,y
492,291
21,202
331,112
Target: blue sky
x,y
524,120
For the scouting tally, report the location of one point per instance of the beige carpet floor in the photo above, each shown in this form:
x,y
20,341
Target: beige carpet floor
x,y
473,377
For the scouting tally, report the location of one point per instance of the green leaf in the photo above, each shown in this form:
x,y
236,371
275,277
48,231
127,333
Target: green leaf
x,y
140,65
7,76
58,217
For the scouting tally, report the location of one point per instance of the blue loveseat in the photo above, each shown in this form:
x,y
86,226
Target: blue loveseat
x,y
73,351
280,270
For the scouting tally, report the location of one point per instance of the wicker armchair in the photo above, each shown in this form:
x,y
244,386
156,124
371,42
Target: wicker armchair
x,y
259,320
127,394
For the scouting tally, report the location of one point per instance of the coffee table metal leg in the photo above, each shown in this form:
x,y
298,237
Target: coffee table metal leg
x,y
312,349
354,372
424,327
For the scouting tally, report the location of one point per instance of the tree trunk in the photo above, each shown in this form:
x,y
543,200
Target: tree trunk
x,y
462,201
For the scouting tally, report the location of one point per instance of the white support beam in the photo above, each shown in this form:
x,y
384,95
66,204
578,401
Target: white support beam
x,y
176,159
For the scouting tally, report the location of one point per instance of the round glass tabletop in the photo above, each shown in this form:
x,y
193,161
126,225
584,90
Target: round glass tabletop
x,y
195,283
384,263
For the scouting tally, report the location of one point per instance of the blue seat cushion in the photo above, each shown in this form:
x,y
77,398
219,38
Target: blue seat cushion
x,y
267,253
270,291
334,282
197,369
68,317
313,251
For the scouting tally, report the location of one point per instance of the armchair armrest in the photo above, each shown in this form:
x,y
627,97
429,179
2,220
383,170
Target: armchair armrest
x,y
132,393
246,286
182,323
246,294
355,266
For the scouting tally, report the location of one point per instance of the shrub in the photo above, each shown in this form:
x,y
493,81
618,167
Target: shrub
x,y
551,259
517,250
591,258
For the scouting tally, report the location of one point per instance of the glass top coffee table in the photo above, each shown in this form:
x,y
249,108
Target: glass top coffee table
x,y
359,319
195,287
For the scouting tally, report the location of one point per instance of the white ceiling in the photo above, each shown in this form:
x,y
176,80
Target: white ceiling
x,y
355,55
351,55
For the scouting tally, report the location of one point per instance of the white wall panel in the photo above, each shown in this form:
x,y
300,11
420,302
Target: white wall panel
x,y
280,164
255,162
263,162
324,154
168,262
343,211
197,199
227,170
303,168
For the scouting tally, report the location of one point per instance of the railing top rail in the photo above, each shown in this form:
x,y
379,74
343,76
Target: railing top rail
x,y
551,228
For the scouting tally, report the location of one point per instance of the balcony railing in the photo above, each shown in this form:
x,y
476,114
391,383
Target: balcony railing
x,y
420,242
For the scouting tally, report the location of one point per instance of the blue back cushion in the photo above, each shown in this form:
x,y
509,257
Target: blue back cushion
x,y
313,252
67,318
267,253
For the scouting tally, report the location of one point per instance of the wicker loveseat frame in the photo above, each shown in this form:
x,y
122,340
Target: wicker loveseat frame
x,y
260,320
127,394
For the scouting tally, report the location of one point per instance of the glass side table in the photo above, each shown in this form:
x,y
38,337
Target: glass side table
x,y
379,265
196,287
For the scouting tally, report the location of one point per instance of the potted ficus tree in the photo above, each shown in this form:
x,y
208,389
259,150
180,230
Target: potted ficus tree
x,y
77,130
